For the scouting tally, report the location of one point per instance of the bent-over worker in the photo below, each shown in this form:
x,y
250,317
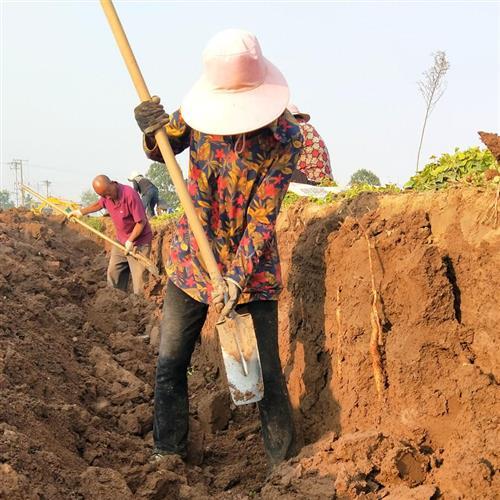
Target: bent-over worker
x,y
244,145
132,230
313,165
147,190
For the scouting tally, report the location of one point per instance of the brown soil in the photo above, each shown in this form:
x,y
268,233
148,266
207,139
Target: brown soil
x,y
492,142
77,363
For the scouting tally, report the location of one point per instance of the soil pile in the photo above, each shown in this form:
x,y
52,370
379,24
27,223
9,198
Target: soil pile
x,y
388,337
77,366
492,142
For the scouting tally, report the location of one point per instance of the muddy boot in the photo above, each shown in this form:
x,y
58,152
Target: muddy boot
x,y
275,410
277,432
171,409
159,455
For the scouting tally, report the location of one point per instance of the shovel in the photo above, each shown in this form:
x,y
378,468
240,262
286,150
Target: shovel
x,y
236,334
241,358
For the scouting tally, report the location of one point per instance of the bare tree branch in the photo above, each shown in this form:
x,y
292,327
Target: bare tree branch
x,y
432,87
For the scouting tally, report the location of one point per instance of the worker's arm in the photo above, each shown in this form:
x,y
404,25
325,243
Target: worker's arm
x,y
95,207
137,231
178,133
137,212
151,117
80,212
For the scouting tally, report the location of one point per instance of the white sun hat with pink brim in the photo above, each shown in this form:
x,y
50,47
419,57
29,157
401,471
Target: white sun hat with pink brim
x,y
239,91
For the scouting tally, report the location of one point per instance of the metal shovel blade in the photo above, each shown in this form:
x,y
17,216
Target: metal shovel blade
x,y
241,358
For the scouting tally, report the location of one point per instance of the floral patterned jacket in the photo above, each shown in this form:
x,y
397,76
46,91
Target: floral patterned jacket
x,y
314,161
237,184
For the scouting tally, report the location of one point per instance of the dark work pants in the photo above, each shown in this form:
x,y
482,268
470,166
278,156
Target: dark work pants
x,y
183,319
150,200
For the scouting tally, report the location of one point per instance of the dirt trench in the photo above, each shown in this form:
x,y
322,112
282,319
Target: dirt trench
x,y
432,429
77,362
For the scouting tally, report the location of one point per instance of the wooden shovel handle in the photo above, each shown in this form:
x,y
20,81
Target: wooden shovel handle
x,y
164,146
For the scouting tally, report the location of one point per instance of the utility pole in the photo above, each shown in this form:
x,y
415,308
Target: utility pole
x,y
47,184
17,166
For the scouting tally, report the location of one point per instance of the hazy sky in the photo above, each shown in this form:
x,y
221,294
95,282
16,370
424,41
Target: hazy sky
x,y
67,101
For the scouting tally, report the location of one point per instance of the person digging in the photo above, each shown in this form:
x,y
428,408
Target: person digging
x,y
244,146
132,230
147,190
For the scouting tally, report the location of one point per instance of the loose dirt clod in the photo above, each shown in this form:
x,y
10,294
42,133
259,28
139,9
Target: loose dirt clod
x,y
492,142
214,411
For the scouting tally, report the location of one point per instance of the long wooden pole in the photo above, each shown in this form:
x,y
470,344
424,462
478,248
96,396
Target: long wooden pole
x,y
136,255
164,146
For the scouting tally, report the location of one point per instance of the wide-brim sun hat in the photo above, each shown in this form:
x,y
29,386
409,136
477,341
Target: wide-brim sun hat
x,y
297,113
133,175
239,91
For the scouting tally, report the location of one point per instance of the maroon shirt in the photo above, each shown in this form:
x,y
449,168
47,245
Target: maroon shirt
x,y
125,213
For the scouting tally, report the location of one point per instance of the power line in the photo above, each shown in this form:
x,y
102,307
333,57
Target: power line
x,y
44,167
41,167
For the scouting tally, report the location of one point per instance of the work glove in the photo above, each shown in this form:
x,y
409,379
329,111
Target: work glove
x,y
75,213
129,247
150,116
226,298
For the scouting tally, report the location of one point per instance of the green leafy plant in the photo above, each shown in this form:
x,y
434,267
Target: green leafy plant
x,y
95,222
158,220
463,166
357,189
352,192
327,182
290,199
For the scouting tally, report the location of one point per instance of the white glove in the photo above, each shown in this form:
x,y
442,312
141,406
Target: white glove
x,y
129,246
75,213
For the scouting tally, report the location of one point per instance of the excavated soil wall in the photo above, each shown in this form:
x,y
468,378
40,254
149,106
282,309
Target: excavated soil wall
x,y
389,325
433,424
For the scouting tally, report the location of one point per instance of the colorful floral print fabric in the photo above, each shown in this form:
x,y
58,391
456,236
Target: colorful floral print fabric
x,y
237,184
314,161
